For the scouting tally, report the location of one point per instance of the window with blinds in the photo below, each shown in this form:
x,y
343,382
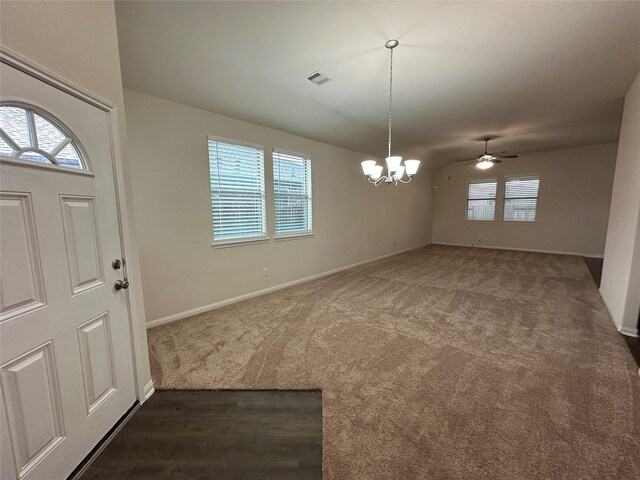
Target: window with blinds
x,y
237,191
521,198
292,194
481,199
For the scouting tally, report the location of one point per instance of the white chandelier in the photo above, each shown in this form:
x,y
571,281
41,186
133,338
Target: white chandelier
x,y
395,169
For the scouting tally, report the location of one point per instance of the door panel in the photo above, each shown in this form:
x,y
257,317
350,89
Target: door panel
x,y
96,352
65,346
20,259
82,240
33,403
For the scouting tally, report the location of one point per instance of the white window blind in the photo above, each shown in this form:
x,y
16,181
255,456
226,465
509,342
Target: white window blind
x,y
237,191
292,194
481,199
521,198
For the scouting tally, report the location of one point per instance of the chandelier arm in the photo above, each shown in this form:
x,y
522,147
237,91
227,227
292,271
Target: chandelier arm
x,y
378,181
402,181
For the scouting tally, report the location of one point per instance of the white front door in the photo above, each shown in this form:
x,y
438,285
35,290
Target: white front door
x,y
66,367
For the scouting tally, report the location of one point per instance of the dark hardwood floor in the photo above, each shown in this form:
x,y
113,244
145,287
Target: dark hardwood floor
x,y
595,267
220,435
634,346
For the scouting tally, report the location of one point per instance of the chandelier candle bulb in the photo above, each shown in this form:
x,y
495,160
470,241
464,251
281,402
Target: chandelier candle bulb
x,y
411,167
368,166
393,164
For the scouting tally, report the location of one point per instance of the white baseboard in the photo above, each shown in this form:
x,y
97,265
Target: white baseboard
x,y
494,247
258,293
148,391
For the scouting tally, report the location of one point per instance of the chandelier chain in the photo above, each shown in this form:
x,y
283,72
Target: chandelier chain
x,y
390,96
396,170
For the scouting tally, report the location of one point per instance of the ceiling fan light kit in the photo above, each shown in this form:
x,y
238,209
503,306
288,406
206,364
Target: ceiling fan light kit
x,y
484,164
396,170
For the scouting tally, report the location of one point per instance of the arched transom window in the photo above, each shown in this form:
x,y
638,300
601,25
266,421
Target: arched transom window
x,y
31,135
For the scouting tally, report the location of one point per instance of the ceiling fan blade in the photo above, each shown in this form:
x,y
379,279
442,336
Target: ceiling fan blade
x,y
469,163
496,161
467,160
507,156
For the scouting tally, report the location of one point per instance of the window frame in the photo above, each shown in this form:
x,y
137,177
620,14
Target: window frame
x,y
302,233
238,241
504,198
16,158
495,200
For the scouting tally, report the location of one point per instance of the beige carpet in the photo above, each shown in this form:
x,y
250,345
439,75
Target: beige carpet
x,y
440,363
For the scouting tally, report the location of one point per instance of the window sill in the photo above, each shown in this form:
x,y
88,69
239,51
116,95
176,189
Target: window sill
x,y
294,236
239,242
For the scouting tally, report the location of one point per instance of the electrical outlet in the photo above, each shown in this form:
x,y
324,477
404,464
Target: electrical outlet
x,y
265,272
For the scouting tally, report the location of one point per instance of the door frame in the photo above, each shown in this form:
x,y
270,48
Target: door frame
x,y
143,383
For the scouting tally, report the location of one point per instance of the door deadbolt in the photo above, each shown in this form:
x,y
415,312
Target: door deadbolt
x,y
116,264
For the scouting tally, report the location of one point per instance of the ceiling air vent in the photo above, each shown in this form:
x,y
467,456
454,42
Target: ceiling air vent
x,y
318,78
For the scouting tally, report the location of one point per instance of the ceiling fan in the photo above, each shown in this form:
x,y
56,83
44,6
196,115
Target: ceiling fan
x,y
487,160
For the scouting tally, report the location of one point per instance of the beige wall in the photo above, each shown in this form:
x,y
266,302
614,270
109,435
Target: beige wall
x,y
620,286
353,221
78,41
573,204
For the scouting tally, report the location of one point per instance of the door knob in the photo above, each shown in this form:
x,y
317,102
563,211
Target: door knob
x,y
121,284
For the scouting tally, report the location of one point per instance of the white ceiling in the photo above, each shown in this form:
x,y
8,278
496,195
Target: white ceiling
x,y
537,75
